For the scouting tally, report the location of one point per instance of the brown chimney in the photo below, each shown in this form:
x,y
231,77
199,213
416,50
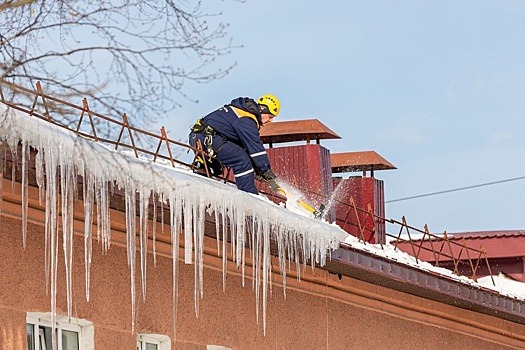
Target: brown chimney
x,y
360,200
354,203
306,166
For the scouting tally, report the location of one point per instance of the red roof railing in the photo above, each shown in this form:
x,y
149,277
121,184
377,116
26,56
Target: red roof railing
x,y
440,246
27,101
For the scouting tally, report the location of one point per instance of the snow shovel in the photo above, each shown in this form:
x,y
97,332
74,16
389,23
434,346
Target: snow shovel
x,y
318,213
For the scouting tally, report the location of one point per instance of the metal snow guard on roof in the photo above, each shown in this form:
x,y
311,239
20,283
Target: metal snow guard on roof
x,y
359,161
506,244
296,130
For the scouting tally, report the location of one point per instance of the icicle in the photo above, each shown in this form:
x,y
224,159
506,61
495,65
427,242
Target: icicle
x,y
297,256
51,217
266,266
40,175
68,188
249,229
282,241
47,229
143,234
217,231
196,249
224,250
25,166
162,199
88,191
233,230
239,233
258,267
98,200
105,217
51,233
175,222
130,238
188,231
200,248
14,165
154,229
255,233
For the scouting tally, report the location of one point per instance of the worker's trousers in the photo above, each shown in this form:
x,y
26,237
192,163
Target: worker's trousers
x,y
233,156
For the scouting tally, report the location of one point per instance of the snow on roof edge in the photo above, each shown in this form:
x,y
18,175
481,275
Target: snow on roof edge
x,y
61,151
144,176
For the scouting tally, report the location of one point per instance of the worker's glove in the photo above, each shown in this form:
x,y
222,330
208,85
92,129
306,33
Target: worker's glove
x,y
269,177
275,186
264,176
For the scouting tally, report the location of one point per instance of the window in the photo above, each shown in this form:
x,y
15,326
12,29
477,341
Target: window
x,y
153,342
71,333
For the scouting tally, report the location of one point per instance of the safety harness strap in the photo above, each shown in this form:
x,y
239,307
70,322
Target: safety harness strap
x,y
202,128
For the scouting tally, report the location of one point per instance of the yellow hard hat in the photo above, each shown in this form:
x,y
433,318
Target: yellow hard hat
x,y
270,101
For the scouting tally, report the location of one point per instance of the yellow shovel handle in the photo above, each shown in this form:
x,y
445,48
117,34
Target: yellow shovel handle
x,y
306,206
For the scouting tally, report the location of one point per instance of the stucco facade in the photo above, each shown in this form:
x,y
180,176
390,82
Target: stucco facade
x,y
321,311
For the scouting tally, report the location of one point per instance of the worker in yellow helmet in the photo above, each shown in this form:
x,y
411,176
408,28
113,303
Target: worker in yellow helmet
x,y
230,135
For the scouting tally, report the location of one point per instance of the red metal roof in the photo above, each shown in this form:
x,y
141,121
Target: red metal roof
x,y
296,130
487,234
497,244
359,161
480,235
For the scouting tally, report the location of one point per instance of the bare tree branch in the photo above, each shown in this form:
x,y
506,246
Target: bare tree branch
x,y
12,4
128,56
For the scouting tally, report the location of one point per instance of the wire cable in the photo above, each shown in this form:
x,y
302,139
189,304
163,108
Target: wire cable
x,y
456,189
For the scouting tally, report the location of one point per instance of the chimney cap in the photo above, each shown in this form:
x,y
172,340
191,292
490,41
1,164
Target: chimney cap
x,y
296,130
358,161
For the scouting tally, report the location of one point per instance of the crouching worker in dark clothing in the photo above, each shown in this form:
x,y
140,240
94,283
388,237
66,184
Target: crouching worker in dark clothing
x,y
230,135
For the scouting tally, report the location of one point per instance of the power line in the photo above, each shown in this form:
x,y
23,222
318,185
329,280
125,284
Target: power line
x,y
456,189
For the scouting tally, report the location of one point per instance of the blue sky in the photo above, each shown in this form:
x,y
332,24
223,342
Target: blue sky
x,y
435,87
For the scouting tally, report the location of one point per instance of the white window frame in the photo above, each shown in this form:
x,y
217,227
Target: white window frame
x,y
84,328
163,342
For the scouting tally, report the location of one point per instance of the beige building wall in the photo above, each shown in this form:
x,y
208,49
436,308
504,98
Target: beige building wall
x,y
319,312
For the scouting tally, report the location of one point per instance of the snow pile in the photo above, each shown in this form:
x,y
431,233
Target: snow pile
x,y
62,156
506,286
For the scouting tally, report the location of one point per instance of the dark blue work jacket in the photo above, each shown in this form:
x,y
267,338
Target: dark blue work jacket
x,y
239,123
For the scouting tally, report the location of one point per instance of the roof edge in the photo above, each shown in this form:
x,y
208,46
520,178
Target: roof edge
x,y
355,263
